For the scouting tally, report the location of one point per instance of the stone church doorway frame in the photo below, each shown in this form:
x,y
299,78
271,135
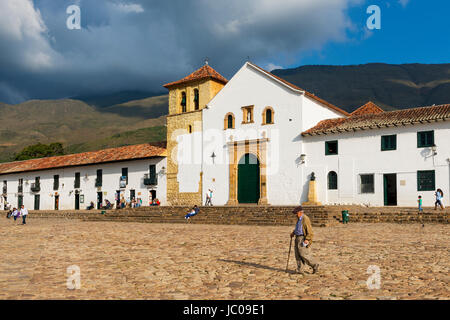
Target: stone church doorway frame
x,y
248,179
237,150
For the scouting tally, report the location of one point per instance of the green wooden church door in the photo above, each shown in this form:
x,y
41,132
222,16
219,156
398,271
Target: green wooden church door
x,y
248,179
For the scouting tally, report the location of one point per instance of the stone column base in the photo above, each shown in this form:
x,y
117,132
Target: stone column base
x,y
309,203
232,202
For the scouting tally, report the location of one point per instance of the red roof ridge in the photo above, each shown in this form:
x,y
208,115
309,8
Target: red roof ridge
x,y
368,108
383,119
204,72
124,153
309,94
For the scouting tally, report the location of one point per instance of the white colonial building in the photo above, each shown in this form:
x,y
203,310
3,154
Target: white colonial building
x,y
74,181
256,139
259,139
381,158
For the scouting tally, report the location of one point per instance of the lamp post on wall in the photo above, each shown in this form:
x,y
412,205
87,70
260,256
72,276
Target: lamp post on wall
x,y
434,148
302,158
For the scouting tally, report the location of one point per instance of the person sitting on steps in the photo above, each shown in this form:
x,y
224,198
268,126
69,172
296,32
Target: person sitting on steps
x,y
194,211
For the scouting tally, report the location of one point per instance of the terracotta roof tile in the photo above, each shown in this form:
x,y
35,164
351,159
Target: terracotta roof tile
x,y
308,94
384,119
205,72
140,151
368,108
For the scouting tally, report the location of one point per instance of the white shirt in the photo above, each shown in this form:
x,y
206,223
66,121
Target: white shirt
x,y
24,211
15,213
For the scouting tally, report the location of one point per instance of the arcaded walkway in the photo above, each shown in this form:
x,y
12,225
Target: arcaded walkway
x,y
188,261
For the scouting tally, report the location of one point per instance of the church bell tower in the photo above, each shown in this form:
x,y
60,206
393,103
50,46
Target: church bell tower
x,y
187,98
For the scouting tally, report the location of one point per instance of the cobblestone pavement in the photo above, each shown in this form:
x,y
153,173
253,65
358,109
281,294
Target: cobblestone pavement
x,y
188,261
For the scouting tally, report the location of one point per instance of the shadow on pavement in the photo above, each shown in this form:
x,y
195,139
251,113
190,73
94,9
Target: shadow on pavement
x,y
256,265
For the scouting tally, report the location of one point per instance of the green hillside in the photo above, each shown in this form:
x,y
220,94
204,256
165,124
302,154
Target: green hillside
x,y
144,135
73,123
132,117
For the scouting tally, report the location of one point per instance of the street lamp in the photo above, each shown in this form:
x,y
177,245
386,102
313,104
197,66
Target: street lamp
x,y
302,158
434,148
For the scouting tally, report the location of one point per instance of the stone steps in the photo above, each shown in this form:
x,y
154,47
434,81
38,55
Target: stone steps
x,y
254,215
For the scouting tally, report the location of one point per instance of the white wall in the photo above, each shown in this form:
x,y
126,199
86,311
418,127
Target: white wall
x,y
360,153
251,87
189,158
111,176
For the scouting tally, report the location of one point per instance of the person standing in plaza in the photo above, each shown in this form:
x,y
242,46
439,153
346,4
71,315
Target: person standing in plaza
x,y
439,199
209,197
8,210
419,201
24,214
303,238
15,213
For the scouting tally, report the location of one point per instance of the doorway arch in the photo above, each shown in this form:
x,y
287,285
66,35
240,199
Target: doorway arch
x,y
248,179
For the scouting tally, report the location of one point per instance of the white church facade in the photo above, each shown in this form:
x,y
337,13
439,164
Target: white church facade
x,y
255,139
261,138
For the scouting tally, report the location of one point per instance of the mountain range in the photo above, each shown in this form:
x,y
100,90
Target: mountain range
x,y
86,123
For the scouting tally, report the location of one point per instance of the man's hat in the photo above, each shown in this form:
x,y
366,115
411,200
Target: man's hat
x,y
297,209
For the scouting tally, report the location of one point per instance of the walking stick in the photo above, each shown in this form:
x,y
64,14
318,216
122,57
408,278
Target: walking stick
x,y
290,246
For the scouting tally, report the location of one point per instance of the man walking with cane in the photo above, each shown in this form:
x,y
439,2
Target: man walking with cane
x,y
303,239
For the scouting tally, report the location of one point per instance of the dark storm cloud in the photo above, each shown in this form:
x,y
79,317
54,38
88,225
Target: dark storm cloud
x,y
139,45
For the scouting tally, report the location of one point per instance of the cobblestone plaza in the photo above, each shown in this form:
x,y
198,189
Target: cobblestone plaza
x,y
193,261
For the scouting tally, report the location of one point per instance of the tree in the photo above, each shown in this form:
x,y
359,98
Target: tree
x,y
40,150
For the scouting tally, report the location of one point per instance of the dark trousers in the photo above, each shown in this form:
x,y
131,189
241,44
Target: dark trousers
x,y
23,219
303,254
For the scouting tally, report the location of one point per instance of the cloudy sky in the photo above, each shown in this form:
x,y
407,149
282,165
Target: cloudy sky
x,y
142,44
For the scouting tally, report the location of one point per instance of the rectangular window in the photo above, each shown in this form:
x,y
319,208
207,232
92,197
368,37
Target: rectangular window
x,y
389,142
331,148
98,180
37,200
36,186
153,176
426,180
55,182
425,139
77,180
367,183
125,174
19,201
5,187
20,187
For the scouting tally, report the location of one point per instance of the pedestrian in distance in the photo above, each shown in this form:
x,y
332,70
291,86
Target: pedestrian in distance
x,y
24,214
303,239
419,201
8,210
439,199
209,195
15,213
